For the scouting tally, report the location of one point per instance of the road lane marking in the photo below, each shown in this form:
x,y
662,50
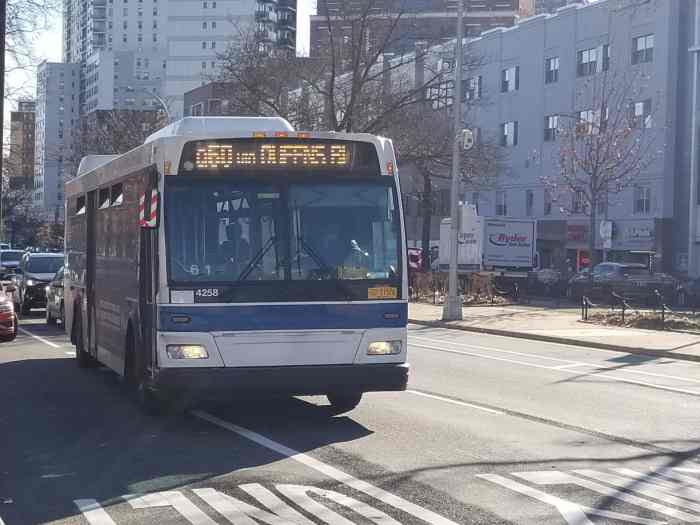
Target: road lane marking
x,y
93,512
364,510
567,362
342,477
676,486
603,375
274,504
455,402
239,512
564,478
573,513
38,338
639,485
174,499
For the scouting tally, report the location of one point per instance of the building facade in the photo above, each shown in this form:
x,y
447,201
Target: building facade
x,y
20,162
431,21
56,117
276,25
540,71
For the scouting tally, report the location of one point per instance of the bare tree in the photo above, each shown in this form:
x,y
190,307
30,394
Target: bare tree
x,y
111,132
362,77
424,139
605,147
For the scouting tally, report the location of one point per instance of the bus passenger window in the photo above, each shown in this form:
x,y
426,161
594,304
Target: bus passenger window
x,y
80,206
104,198
117,195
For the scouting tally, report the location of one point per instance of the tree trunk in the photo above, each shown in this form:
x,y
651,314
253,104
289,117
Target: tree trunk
x,y
426,216
592,237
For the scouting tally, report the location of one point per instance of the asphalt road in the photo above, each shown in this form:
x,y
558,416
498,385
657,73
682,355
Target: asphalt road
x,y
493,430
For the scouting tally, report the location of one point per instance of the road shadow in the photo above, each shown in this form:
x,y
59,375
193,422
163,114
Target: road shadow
x,y
71,433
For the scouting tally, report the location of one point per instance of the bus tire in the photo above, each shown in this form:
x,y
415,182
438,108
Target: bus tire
x,y
135,377
50,319
82,357
341,403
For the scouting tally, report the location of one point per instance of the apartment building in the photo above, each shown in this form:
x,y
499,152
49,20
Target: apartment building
x,y
57,112
431,21
20,162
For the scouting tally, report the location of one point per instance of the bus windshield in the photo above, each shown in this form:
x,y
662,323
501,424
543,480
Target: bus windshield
x,y
247,233
11,256
44,264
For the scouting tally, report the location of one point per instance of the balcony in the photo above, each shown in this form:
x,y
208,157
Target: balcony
x,y
286,23
262,15
286,42
263,35
287,4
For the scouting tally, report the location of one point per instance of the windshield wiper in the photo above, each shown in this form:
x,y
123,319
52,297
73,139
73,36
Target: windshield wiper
x,y
256,259
323,265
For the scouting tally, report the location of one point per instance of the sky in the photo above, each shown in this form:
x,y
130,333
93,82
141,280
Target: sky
x,y
48,46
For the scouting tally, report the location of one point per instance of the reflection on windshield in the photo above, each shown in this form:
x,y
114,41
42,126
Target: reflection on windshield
x,y
44,264
343,232
246,232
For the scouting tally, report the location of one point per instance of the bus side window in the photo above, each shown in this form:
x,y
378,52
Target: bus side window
x,y
80,206
117,195
104,198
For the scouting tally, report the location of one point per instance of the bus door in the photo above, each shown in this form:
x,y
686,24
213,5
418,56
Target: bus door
x,y
148,284
90,263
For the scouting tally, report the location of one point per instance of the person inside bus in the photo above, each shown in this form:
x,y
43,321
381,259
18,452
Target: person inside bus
x,y
235,250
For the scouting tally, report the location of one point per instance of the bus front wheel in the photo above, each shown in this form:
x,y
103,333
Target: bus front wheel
x,y
341,403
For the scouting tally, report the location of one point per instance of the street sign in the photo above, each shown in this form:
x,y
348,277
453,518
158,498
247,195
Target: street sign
x,y
467,139
606,233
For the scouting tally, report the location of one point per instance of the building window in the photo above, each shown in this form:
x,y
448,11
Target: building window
x,y
213,24
124,38
473,88
125,24
509,133
139,24
642,200
204,45
551,124
204,64
213,5
593,60
579,205
643,49
529,202
139,37
510,79
475,200
640,114
155,24
214,107
551,70
204,26
501,203
204,4
155,37
547,202
213,44
590,122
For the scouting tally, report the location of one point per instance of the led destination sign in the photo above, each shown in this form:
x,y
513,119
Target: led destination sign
x,y
261,154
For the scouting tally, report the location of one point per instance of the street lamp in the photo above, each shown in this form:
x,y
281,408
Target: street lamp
x,y
452,311
160,100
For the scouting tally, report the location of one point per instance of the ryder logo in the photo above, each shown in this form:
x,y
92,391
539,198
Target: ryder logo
x,y
509,239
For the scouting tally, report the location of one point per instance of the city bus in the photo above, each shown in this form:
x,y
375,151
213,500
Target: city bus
x,y
234,256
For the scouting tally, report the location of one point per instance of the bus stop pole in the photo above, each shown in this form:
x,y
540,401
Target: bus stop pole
x,y
452,310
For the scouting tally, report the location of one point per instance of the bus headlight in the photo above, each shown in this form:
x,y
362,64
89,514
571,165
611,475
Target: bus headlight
x,y
186,352
384,348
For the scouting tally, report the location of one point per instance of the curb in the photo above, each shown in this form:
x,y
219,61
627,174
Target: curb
x,y
560,340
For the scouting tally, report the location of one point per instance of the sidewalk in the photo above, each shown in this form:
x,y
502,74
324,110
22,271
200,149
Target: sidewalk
x,y
560,325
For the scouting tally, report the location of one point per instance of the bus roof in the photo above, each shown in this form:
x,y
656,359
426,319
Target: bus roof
x,y
217,127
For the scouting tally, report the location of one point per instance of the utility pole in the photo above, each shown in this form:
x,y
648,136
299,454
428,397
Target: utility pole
x,y
3,32
695,144
452,311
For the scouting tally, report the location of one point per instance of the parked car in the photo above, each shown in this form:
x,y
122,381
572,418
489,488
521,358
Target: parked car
x,y
8,317
54,299
36,270
9,261
632,281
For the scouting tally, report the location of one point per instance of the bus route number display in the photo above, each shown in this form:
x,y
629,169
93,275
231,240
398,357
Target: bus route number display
x,y
262,155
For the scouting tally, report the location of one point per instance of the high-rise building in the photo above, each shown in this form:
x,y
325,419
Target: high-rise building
x,y
20,163
430,21
56,116
276,25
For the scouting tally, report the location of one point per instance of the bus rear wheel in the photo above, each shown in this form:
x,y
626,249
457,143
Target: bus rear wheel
x,y
345,402
82,357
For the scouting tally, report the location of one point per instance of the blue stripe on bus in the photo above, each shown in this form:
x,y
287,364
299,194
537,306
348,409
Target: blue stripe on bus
x,y
221,318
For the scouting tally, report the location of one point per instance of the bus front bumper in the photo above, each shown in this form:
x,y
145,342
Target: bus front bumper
x,y
220,383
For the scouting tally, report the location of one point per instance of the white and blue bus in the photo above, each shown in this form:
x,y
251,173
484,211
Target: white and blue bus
x,y
229,256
